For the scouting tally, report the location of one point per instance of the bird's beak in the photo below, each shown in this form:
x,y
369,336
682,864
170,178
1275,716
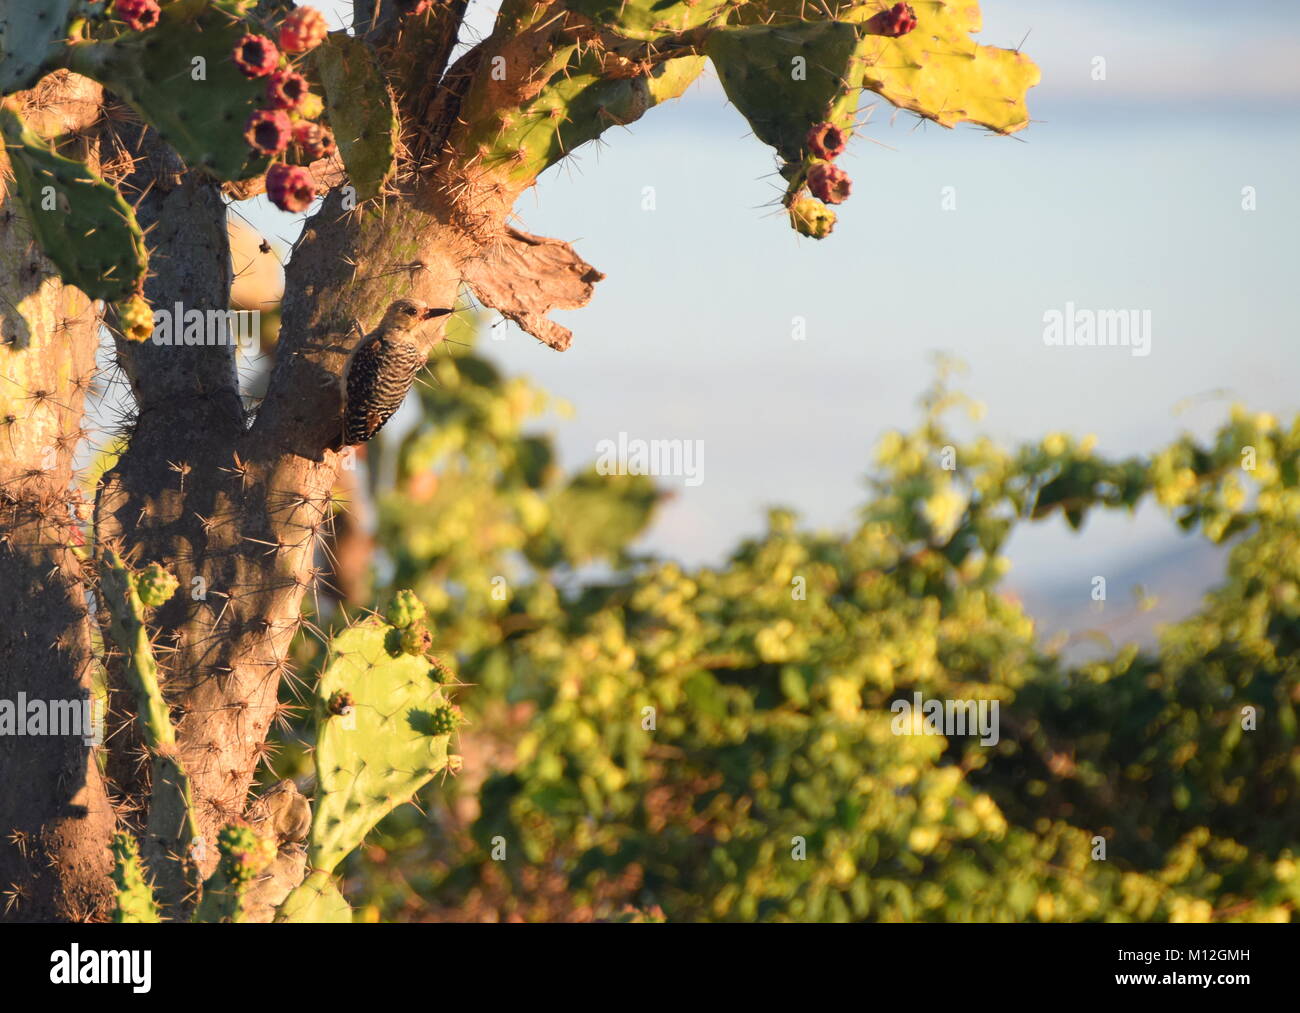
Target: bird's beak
x,y
435,311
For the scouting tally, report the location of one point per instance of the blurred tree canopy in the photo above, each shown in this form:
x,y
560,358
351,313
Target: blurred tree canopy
x,y
716,744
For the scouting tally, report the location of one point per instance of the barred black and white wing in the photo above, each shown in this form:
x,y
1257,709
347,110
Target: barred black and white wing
x,y
379,374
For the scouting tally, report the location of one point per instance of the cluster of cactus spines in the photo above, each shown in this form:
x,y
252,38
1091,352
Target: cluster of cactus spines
x,y
377,755
87,229
172,826
133,894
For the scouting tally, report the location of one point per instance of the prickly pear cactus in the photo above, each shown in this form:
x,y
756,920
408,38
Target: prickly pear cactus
x,y
784,80
384,724
181,78
375,758
82,223
406,610
796,72
133,895
316,900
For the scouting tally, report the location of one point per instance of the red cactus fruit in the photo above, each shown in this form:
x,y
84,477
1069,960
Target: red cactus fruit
x,y
825,140
313,140
268,131
898,20
286,90
256,56
829,183
138,14
304,29
290,187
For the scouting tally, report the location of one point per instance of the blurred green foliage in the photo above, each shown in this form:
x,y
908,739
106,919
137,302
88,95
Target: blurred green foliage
x,y
717,743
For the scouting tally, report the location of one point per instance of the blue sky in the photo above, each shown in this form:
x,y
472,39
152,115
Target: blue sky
x,y
1123,194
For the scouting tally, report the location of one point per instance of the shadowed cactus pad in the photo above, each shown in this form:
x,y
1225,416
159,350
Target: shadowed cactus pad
x,y
83,224
361,111
31,35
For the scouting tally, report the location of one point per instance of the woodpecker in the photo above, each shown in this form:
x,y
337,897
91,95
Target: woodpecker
x,y
382,368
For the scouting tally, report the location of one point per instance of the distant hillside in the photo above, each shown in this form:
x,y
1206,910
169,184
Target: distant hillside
x,y
1176,578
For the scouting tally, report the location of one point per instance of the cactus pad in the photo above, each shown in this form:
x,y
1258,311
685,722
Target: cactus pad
x,y
375,758
82,223
316,899
786,79
182,79
361,111
133,895
652,19
577,105
31,36
939,72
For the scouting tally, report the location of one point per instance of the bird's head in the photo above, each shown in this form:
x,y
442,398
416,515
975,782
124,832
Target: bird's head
x,y
406,314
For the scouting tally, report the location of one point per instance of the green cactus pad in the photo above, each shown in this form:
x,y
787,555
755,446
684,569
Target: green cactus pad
x,y
377,757
576,106
172,825
31,37
316,899
652,19
361,111
154,73
82,223
785,79
133,895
